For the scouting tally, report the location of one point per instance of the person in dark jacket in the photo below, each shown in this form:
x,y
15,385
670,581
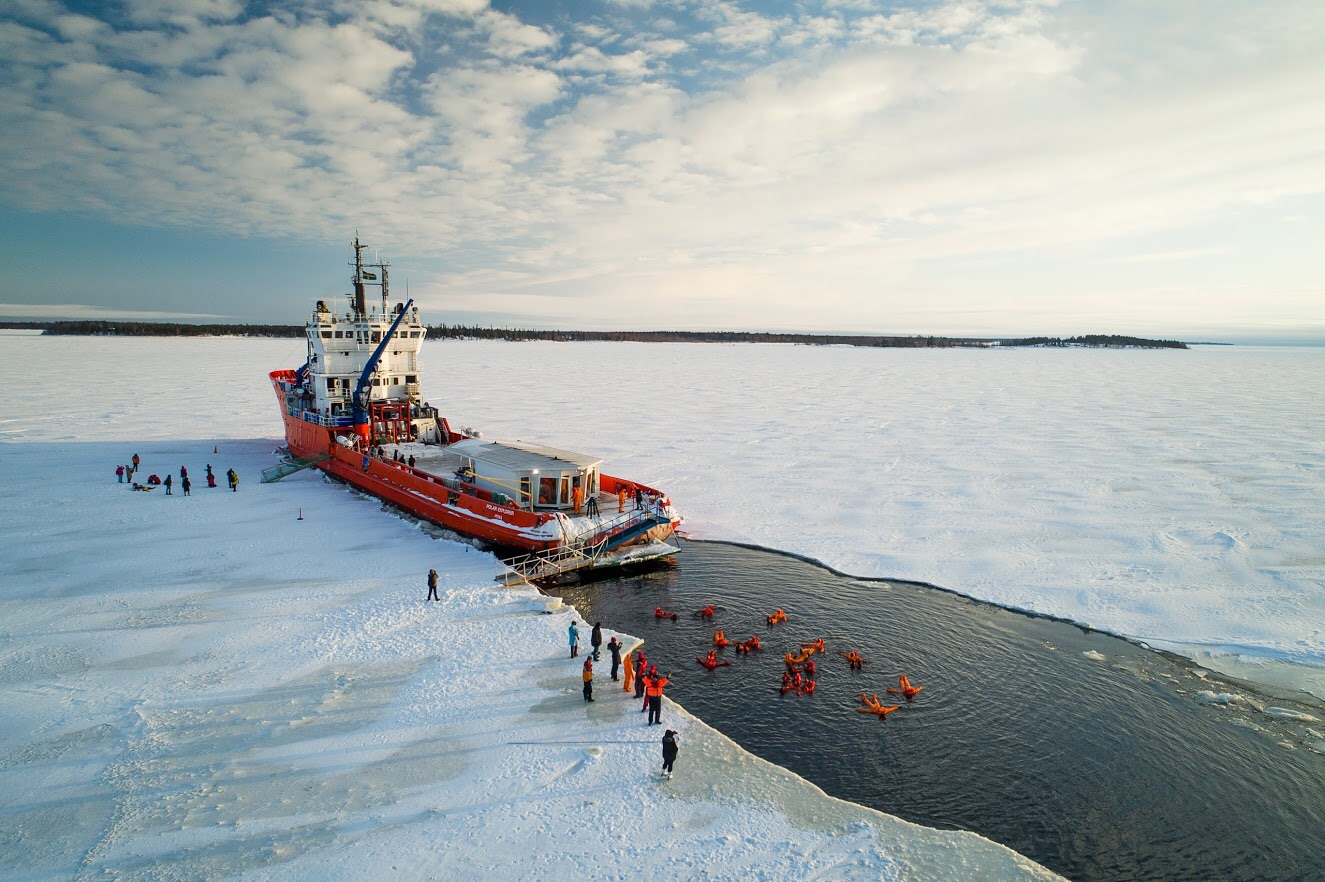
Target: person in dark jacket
x,y
596,639
588,679
184,482
615,649
432,585
641,668
168,478
669,752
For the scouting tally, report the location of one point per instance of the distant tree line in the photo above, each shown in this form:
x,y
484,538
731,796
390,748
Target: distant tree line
x,y
474,332
1113,340
156,329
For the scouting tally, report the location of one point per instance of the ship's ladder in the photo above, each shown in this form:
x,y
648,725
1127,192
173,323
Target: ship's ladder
x,y
546,564
290,466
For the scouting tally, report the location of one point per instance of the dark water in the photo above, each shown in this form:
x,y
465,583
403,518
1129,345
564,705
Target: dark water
x,y
1105,770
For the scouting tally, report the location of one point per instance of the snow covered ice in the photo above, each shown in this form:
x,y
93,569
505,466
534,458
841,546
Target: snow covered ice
x,y
207,687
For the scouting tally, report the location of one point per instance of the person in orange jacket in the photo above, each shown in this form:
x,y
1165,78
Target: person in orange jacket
x,y
588,679
655,692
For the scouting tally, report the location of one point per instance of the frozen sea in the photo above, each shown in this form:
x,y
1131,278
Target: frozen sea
x,y
192,684
1172,497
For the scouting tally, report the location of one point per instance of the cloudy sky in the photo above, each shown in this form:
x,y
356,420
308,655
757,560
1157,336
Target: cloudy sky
x,y
964,168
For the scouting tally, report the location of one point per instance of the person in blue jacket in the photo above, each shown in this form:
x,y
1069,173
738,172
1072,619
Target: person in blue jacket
x,y
574,634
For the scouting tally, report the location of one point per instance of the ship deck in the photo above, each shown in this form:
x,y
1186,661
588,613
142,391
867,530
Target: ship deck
x,y
446,463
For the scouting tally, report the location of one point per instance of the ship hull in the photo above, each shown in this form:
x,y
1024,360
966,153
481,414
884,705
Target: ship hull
x,y
420,493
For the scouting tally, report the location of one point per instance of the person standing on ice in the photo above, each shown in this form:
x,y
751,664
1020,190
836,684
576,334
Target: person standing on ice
x,y
596,640
135,462
641,668
669,752
432,585
588,679
234,480
184,482
615,649
119,473
168,477
573,633
211,479
655,692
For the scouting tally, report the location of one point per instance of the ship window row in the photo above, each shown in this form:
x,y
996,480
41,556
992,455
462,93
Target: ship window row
x,y
328,334
344,383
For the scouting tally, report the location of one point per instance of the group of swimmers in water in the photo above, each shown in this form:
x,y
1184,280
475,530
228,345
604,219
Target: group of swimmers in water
x,y
800,667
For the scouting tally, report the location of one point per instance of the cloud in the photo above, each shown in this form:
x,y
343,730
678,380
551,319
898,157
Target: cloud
x,y
639,160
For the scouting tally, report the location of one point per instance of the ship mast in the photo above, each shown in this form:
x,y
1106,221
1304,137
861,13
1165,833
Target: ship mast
x,y
364,275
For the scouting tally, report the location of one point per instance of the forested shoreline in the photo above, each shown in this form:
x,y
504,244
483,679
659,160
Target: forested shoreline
x,y
474,332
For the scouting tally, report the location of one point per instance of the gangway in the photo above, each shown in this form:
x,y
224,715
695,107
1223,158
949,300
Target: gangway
x,y
552,565
290,466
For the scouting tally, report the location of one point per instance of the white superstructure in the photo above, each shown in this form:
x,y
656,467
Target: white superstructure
x,y
351,374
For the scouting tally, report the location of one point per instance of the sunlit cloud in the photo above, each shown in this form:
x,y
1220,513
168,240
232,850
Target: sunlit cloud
x,y
716,157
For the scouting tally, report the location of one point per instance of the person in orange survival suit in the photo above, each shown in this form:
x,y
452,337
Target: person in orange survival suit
x,y
906,690
654,690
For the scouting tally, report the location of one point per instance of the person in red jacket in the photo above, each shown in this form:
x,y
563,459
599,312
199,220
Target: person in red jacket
x,y
654,690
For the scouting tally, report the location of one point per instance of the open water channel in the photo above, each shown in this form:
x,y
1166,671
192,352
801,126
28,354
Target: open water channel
x,y
1098,758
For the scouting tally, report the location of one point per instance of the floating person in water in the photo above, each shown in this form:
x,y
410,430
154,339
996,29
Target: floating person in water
x,y
905,689
710,660
720,639
854,659
776,617
660,613
873,706
751,645
793,660
705,613
813,647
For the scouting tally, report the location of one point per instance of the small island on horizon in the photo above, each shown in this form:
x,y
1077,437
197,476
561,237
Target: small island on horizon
x,y
100,328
